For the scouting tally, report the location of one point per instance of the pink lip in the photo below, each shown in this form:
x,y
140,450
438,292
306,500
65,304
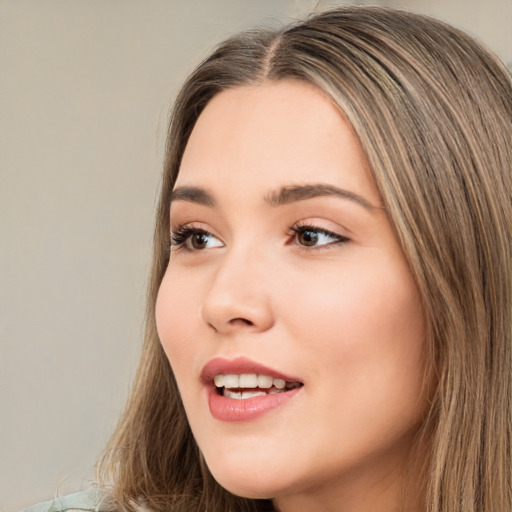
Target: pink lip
x,y
232,410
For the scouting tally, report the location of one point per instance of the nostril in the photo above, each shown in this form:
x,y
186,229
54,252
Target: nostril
x,y
234,322
212,326
240,321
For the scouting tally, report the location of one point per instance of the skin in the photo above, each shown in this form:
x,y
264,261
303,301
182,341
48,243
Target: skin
x,y
344,316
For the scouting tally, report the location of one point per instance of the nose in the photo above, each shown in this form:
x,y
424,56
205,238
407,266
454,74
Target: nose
x,y
239,296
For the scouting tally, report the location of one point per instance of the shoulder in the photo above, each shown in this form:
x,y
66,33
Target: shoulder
x,y
90,501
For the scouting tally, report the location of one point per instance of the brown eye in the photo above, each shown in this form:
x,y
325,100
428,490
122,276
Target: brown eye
x,y
199,240
307,238
192,239
311,236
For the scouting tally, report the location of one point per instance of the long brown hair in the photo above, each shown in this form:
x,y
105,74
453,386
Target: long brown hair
x,y
433,111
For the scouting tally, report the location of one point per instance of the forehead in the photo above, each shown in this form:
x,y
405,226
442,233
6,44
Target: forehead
x,y
269,135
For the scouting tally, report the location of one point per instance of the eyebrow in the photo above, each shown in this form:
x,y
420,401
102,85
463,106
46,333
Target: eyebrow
x,y
193,195
283,196
293,193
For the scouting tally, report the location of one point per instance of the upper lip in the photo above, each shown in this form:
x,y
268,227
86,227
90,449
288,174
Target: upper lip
x,y
238,366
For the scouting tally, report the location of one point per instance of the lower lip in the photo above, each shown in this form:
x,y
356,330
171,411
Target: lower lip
x,y
232,410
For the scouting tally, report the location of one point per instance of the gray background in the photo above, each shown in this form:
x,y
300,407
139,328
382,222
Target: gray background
x,y
85,89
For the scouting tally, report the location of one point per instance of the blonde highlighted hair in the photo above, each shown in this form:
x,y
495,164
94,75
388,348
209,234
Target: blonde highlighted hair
x,y
433,111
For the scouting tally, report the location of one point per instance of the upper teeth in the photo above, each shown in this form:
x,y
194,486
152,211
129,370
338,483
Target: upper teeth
x,y
248,380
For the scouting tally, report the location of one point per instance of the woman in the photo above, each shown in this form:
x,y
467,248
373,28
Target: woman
x,y
329,319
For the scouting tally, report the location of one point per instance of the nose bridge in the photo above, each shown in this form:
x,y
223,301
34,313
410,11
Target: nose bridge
x,y
239,296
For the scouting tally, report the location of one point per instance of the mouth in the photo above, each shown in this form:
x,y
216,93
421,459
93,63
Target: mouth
x,y
250,385
241,390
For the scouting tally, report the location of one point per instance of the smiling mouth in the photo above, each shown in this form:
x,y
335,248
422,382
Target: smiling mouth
x,y
249,385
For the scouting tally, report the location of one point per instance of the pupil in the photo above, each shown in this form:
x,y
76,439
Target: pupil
x,y
308,238
199,241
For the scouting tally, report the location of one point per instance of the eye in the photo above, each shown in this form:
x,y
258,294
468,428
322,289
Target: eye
x,y
313,236
193,239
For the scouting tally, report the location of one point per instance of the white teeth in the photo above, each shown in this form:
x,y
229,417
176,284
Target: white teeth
x,y
232,383
248,380
232,394
242,395
265,381
279,383
251,394
219,381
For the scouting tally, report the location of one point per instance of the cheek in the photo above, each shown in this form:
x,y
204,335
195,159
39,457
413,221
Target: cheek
x,y
176,310
364,324
357,297
363,349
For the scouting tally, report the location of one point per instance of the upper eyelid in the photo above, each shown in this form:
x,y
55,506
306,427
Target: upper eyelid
x,y
311,227
339,231
176,227
302,224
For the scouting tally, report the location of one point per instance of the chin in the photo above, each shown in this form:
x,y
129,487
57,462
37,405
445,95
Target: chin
x,y
246,487
257,483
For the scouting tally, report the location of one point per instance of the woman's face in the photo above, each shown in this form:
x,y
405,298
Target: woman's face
x,y
286,277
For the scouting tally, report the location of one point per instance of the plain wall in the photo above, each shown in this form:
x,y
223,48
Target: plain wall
x,y
85,90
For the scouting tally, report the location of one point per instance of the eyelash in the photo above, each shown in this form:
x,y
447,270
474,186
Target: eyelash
x,y
300,229
182,234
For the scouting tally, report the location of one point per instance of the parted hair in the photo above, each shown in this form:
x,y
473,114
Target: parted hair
x,y
432,109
